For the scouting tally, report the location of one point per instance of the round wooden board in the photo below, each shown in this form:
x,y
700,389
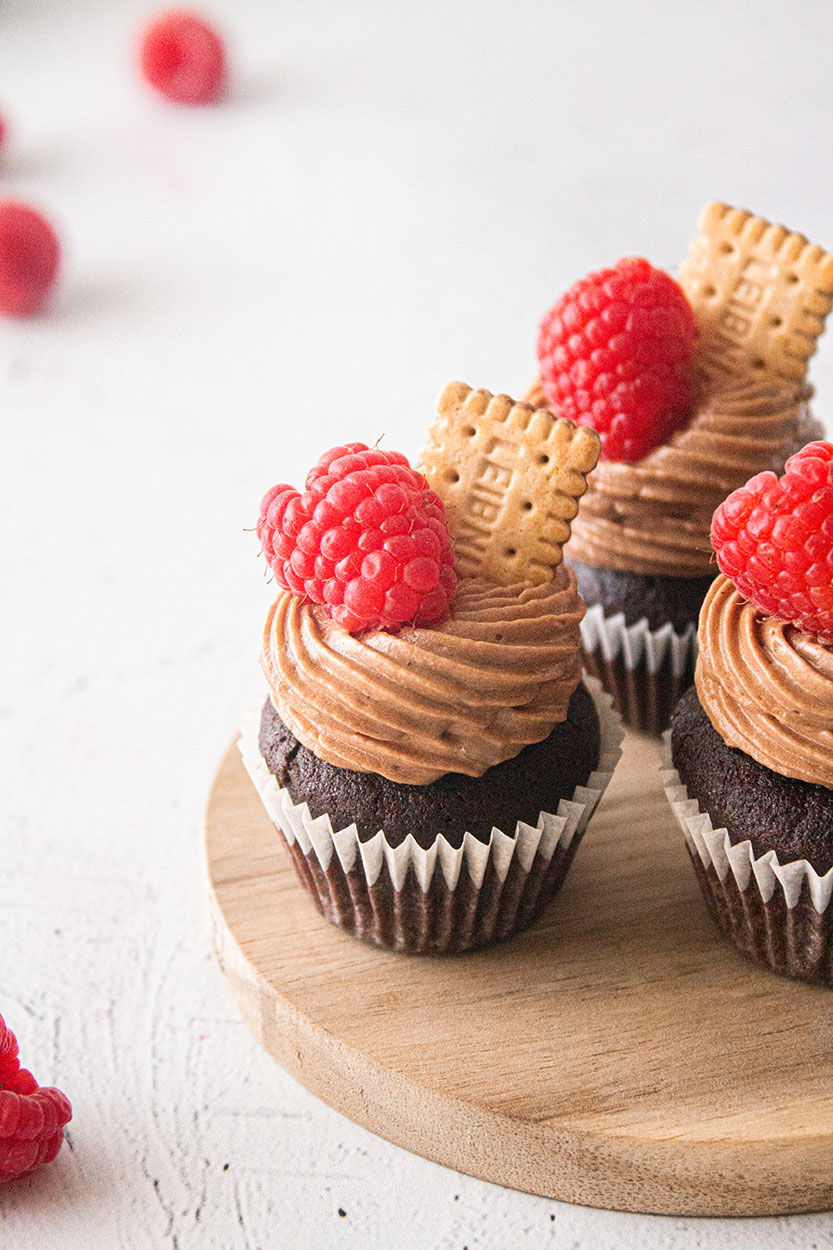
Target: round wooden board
x,y
619,1054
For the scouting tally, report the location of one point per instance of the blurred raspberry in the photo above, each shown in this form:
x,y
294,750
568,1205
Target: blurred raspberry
x,y
29,254
183,57
615,352
774,539
367,538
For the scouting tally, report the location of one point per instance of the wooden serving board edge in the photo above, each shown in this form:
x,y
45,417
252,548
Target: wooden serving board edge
x,y
598,1169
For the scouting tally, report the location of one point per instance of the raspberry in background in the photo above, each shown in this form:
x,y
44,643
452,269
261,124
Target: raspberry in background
x,y
183,57
774,539
368,538
616,352
32,1118
29,254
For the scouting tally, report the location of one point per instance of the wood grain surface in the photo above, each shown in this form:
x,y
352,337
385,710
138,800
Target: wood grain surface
x,y
619,1054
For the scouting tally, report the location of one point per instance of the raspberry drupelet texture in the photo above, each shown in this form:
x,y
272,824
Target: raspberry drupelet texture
x,y
774,539
368,538
32,1118
615,352
29,254
183,57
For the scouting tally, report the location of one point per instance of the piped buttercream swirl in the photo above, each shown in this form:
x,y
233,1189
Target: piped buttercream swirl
x,y
459,697
765,686
654,516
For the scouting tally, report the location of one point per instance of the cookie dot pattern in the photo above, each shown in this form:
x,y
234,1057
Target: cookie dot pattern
x,y
760,292
516,485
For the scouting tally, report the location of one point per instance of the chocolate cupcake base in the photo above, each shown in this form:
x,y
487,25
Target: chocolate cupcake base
x,y
437,898
660,599
796,941
442,919
644,670
532,781
640,638
774,908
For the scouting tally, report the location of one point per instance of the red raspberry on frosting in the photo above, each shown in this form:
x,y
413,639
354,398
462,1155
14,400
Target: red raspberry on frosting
x,y
774,539
615,352
368,538
32,1118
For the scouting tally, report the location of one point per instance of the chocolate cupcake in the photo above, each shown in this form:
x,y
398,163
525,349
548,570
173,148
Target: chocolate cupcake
x,y
428,751
749,759
640,548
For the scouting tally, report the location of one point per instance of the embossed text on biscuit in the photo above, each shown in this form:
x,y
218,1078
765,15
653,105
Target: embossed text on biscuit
x,y
510,476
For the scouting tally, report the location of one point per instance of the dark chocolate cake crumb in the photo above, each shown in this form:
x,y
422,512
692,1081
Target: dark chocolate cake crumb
x,y
793,818
660,599
518,789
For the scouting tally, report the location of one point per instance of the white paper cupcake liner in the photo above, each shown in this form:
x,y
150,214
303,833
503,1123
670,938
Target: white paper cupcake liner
x,y
637,644
646,670
778,913
442,898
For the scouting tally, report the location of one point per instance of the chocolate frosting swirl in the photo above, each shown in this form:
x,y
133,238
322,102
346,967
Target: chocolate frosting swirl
x,y
765,686
459,697
654,516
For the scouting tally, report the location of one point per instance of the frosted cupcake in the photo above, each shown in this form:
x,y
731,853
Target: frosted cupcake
x,y
428,750
750,769
703,386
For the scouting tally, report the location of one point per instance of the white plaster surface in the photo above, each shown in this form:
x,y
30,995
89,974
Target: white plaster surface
x,y
392,195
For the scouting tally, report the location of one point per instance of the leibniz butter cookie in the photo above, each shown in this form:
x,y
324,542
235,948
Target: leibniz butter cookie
x,y
510,476
760,293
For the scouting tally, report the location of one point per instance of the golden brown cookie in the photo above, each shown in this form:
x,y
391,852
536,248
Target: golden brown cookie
x,y
760,294
510,476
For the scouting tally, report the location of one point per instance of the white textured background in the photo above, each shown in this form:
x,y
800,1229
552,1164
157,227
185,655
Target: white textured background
x,y
391,197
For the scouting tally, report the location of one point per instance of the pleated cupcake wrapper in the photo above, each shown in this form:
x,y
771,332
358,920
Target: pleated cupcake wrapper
x,y
646,670
441,898
637,644
778,913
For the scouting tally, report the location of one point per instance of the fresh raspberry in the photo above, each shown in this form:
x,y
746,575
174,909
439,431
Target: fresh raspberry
x,y
615,352
29,253
774,539
183,58
32,1118
367,538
